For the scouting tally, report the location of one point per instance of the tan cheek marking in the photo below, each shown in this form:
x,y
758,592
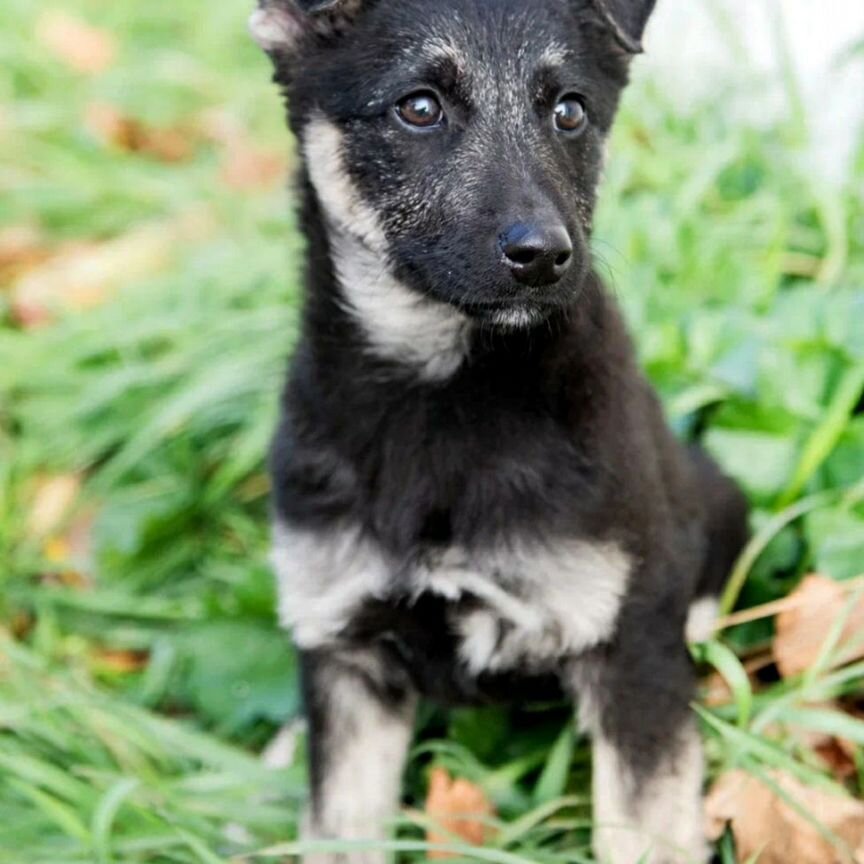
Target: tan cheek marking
x,y
400,323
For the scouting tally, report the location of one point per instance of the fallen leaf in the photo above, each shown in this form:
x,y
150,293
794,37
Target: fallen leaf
x,y
75,43
765,824
22,247
85,276
246,166
71,555
461,810
112,127
838,756
21,624
716,690
120,661
803,628
52,500
243,164
67,579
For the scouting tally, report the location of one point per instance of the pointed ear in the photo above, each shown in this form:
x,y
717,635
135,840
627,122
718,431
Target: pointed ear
x,y
278,25
626,20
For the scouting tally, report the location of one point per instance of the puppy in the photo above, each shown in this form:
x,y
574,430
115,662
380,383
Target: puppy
x,y
476,496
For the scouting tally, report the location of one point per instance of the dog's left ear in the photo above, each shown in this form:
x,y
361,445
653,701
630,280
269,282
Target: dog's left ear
x,y
279,25
626,20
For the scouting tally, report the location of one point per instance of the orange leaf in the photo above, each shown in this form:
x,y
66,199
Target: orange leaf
x,y
803,628
75,43
22,247
21,624
122,661
171,144
85,276
70,554
244,165
460,808
763,822
838,756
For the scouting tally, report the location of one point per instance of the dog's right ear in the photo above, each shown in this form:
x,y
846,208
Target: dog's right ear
x,y
626,20
279,25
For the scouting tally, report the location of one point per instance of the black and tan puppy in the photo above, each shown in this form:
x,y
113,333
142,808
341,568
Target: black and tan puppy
x,y
476,496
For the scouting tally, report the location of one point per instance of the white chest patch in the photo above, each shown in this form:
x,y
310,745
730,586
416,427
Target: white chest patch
x,y
532,602
538,600
323,578
400,324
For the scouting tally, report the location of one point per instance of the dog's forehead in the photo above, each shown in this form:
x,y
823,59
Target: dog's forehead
x,y
472,58
480,37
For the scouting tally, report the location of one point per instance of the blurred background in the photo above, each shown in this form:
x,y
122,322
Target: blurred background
x,y
148,299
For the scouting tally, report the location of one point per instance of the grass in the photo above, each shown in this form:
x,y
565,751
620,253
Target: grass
x,y
141,672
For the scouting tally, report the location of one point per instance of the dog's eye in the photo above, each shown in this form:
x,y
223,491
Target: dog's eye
x,y
421,109
570,114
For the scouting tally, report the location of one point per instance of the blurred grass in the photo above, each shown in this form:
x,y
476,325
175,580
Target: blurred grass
x,y
139,675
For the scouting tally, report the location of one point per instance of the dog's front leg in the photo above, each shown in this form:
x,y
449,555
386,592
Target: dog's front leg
x,y
360,722
647,755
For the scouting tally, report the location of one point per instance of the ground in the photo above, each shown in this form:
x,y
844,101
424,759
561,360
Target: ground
x,y
148,298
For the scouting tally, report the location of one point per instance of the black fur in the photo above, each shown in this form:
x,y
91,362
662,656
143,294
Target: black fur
x,y
548,430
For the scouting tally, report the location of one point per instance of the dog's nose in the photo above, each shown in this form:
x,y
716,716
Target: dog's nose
x,y
537,254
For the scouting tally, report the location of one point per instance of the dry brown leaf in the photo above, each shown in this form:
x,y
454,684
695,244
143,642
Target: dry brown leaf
x,y
120,660
763,822
67,579
22,247
82,277
75,43
836,754
52,500
21,624
716,690
244,165
112,127
460,808
803,628
70,554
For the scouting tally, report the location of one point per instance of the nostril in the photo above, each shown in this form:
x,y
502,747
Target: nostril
x,y
562,259
521,255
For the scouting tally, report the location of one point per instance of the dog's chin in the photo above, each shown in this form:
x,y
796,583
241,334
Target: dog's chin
x,y
510,316
521,312
520,308
505,307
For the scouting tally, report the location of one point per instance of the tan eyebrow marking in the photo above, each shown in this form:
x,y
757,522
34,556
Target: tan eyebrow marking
x,y
554,55
436,50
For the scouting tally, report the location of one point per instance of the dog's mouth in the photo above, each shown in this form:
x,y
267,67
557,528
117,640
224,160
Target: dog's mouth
x,y
523,310
510,314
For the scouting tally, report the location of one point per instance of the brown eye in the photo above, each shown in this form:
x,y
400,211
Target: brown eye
x,y
421,109
570,114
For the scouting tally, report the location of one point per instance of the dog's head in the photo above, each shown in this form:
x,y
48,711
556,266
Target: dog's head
x,y
461,141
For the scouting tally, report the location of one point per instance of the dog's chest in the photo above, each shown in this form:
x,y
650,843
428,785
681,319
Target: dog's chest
x,y
520,606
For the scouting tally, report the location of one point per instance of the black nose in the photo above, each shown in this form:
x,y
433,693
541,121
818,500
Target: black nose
x,y
537,254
